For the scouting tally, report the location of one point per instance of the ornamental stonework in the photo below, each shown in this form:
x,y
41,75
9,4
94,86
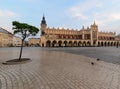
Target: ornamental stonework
x,y
61,37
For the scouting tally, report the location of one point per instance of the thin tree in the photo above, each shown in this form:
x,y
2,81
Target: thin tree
x,y
25,31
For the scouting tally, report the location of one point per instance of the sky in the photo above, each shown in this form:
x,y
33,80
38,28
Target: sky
x,y
72,14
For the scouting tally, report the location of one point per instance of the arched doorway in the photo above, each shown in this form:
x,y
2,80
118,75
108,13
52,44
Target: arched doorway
x,y
105,44
111,43
48,43
79,43
117,44
102,44
60,43
94,43
54,43
114,43
99,44
84,43
42,44
108,43
37,44
65,42
70,43
75,43
88,43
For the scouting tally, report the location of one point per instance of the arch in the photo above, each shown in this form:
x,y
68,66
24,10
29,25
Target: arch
x,y
117,44
31,44
102,44
111,43
70,43
48,43
79,43
37,44
65,42
114,43
99,44
84,43
42,44
75,43
88,43
108,43
105,43
60,43
54,43
94,43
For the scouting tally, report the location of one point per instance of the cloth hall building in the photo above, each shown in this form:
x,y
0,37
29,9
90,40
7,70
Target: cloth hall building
x,y
90,36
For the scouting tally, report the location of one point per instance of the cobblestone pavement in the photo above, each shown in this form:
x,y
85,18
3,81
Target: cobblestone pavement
x,y
107,54
57,70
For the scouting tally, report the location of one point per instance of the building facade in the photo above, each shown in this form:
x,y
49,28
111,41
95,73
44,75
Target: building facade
x,y
6,38
90,36
34,41
17,41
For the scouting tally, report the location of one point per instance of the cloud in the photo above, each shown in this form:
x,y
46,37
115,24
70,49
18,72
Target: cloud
x,y
96,9
6,18
115,16
7,13
77,14
80,10
105,14
103,18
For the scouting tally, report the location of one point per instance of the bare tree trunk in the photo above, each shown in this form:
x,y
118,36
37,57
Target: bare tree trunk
x,y
21,50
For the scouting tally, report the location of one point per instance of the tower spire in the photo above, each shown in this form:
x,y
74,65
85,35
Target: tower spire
x,y
43,20
43,25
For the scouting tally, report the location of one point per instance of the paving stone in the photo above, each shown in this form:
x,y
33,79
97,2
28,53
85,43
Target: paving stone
x,y
58,70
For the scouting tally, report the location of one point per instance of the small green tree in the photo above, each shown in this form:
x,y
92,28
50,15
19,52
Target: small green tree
x,y
25,31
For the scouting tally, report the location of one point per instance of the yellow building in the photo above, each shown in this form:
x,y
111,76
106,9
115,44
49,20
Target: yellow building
x,y
90,36
6,38
17,41
34,41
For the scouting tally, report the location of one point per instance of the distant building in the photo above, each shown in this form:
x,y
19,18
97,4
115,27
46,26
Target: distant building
x,y
17,41
6,38
34,41
90,36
